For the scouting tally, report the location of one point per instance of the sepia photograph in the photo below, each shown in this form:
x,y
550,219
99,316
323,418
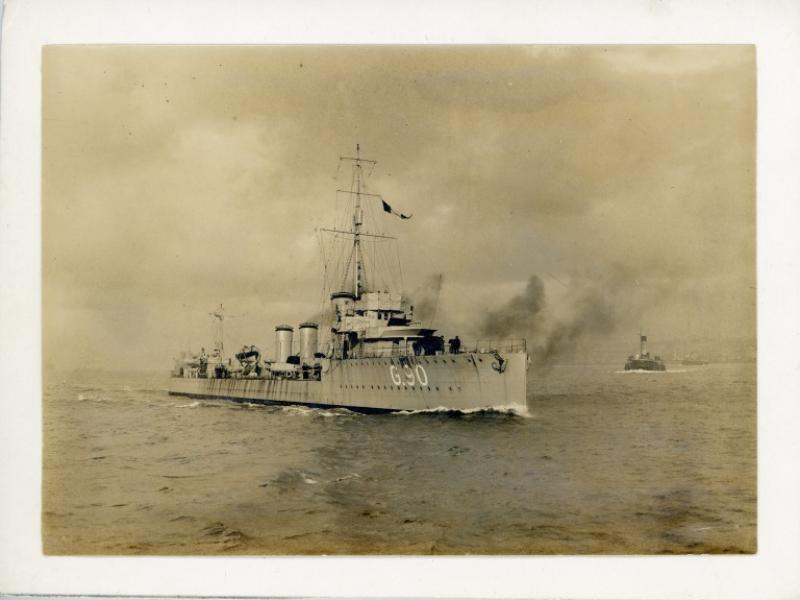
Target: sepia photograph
x,y
399,300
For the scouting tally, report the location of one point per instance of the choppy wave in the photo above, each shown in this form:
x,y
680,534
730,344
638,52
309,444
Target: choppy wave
x,y
309,411
208,404
510,409
234,405
194,404
433,481
293,477
289,410
225,536
299,410
290,478
345,478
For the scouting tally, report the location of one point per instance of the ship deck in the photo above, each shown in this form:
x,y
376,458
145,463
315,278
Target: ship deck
x,y
458,382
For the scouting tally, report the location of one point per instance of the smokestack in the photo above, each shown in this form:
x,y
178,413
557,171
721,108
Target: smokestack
x,y
284,335
308,341
642,344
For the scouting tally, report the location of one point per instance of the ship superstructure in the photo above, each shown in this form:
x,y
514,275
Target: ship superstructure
x,y
376,356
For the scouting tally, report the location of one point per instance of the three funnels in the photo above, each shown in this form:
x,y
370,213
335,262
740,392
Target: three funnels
x,y
284,339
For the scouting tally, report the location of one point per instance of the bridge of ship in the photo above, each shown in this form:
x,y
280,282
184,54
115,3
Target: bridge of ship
x,y
380,324
414,345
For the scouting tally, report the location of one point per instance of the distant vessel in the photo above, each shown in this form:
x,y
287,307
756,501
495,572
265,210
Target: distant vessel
x,y
643,361
693,359
377,358
689,359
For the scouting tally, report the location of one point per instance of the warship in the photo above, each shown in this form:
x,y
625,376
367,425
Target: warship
x,y
643,361
371,354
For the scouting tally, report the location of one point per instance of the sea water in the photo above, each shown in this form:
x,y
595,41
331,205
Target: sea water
x,y
604,461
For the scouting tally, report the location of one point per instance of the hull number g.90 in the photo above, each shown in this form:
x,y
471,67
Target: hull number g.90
x,y
408,375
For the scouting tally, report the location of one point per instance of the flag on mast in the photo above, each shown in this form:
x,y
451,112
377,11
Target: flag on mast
x,y
389,209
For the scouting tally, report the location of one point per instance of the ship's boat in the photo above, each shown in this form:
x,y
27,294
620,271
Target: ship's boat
x,y
376,357
644,361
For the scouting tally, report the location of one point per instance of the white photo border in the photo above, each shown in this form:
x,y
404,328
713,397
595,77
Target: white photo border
x,y
771,26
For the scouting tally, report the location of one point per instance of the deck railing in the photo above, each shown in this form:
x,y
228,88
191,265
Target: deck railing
x,y
483,346
503,345
479,346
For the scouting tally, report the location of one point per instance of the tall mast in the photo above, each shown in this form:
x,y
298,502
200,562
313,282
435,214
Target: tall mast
x,y
359,276
358,282
220,316
219,342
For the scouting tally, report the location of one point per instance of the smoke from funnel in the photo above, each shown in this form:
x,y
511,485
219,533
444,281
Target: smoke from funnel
x,y
588,311
591,314
425,299
521,313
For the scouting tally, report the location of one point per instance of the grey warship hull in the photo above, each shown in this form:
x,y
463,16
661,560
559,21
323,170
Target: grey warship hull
x,y
376,357
466,381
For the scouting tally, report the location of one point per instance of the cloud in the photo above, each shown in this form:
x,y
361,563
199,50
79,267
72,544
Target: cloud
x,y
197,175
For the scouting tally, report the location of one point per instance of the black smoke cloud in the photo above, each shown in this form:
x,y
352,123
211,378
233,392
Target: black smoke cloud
x,y
521,313
592,314
590,311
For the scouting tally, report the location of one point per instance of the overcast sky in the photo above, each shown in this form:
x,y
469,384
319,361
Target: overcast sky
x,y
178,178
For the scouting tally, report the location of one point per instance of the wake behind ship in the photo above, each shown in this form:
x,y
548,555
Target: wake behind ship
x,y
376,357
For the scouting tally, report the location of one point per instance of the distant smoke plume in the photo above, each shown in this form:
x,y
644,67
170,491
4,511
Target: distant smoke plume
x,y
522,313
550,337
425,299
591,314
